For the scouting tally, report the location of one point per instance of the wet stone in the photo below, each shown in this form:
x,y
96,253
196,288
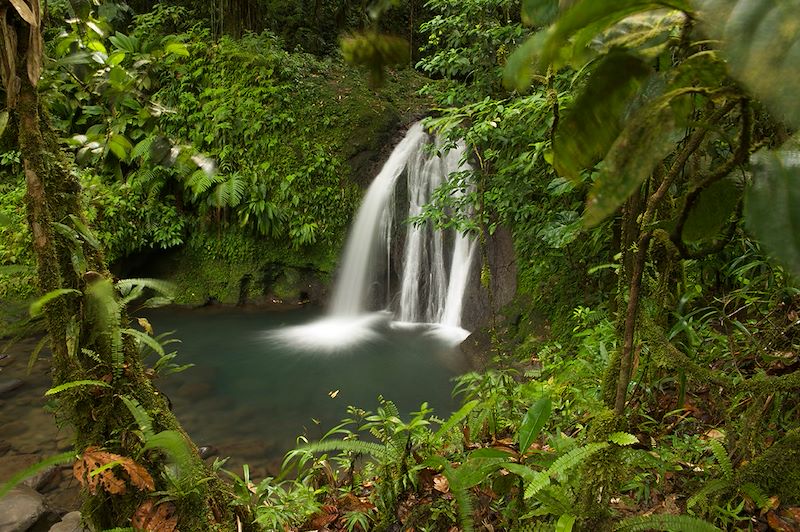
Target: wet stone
x,y
69,523
20,509
9,385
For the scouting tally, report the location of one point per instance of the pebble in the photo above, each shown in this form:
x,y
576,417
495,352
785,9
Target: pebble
x,y
20,508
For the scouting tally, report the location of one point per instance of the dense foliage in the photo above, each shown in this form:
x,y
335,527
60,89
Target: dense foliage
x,y
640,153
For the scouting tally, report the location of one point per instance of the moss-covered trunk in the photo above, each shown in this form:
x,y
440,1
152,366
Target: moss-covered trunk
x,y
136,458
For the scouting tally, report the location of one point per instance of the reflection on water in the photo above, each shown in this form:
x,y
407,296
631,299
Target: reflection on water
x,y
251,394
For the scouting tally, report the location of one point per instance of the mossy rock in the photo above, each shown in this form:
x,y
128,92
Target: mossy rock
x,y
777,470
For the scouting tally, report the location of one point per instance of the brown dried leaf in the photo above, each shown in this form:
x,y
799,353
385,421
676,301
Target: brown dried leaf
x,y
139,476
441,484
322,520
93,459
792,513
152,518
25,12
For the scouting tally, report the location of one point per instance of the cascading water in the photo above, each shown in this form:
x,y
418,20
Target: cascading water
x,y
433,268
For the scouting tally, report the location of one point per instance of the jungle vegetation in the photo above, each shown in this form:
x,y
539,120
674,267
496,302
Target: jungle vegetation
x,y
642,154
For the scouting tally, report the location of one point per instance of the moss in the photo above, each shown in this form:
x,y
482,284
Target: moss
x,y
601,474
777,470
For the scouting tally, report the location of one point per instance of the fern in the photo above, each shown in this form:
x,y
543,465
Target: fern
x,y
140,415
201,182
92,354
144,339
353,446
35,353
458,490
758,497
712,486
669,523
75,384
143,149
229,193
722,458
573,458
537,484
162,287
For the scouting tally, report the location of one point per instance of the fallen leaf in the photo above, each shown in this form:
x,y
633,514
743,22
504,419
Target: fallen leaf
x,y
777,524
152,518
441,484
95,469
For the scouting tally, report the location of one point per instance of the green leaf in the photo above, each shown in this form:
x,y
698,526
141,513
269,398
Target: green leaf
x,y
63,458
598,115
540,481
623,439
37,306
75,384
173,444
761,41
85,232
535,418
646,140
146,339
177,48
120,146
711,211
35,353
565,523
772,205
567,41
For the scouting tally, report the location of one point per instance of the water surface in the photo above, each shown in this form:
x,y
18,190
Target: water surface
x,y
251,395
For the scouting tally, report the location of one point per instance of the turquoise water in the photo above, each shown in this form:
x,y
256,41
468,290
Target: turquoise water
x,y
250,395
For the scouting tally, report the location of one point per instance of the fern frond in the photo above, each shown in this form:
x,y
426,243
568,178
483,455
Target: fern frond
x,y
758,497
455,419
140,415
229,193
144,339
723,459
162,287
143,149
92,354
174,445
709,488
200,182
669,523
353,446
537,484
576,456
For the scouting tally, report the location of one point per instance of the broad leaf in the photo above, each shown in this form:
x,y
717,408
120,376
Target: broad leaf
x,y
647,139
711,211
772,205
535,418
567,41
595,120
761,40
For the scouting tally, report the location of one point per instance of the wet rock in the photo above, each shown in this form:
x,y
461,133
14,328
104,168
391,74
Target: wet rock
x,y
12,464
69,523
9,385
20,509
5,360
4,447
207,451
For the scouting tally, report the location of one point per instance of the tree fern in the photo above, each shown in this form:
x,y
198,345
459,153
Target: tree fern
x,y
669,523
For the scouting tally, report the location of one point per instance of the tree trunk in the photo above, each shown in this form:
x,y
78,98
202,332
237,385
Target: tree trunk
x,y
82,330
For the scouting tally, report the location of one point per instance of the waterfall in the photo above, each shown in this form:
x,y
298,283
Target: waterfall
x,y
435,263
408,273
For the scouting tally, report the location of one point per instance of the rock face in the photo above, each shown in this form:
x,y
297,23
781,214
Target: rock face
x,y
20,509
478,311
